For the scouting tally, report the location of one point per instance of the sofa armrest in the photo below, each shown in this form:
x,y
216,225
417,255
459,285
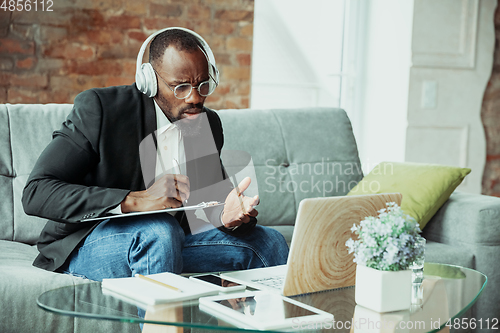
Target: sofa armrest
x,y
466,219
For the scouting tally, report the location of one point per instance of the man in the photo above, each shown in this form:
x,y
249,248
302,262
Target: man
x,y
93,166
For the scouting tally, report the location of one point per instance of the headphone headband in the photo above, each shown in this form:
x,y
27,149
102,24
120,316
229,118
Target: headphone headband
x,y
145,77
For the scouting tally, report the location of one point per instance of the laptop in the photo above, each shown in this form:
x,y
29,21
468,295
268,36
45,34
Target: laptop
x,y
318,259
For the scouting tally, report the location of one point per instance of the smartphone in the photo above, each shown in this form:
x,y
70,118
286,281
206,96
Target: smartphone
x,y
216,282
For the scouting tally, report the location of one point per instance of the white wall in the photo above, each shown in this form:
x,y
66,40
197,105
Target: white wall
x,y
453,45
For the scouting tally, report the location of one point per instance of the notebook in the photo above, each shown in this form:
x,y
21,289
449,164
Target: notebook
x,y
145,291
318,259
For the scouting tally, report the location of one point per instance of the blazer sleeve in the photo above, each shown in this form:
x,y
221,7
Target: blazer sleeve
x,y
56,188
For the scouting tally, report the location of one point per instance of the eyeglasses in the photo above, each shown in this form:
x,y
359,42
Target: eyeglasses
x,y
183,90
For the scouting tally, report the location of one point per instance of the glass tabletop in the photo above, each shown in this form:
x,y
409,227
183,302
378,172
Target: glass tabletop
x,y
448,292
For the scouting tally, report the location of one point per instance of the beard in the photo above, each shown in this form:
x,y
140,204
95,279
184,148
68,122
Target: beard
x,y
189,126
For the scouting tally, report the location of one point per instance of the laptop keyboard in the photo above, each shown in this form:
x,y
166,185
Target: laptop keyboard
x,y
273,282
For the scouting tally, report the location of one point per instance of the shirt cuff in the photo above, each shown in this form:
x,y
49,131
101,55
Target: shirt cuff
x,y
117,210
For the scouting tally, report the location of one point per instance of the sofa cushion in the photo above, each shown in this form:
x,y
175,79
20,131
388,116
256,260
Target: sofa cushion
x,y
448,254
297,154
425,187
20,286
468,219
25,130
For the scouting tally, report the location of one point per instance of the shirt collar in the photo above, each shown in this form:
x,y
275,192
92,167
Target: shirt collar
x,y
162,122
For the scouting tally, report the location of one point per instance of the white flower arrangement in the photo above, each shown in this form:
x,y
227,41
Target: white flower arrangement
x,y
387,242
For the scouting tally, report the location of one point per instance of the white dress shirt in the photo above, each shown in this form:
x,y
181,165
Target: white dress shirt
x,y
171,156
170,150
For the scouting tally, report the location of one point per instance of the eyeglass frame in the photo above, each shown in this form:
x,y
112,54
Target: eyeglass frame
x,y
197,87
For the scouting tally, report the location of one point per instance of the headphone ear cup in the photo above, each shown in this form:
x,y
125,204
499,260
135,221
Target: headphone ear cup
x,y
150,87
139,80
214,73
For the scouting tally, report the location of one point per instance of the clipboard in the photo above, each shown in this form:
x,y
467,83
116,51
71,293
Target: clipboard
x,y
201,205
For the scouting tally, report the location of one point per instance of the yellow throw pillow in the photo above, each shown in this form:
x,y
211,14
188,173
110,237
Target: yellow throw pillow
x,y
425,187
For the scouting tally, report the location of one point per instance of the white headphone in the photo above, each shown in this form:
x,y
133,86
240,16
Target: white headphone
x,y
145,78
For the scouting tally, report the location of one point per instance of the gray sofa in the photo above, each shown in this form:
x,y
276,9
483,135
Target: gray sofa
x,y
293,152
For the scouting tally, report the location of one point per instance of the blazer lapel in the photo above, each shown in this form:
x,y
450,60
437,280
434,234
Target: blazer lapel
x,y
148,130
149,116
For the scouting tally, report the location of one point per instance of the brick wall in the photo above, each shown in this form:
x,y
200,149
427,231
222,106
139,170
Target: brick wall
x,y
49,57
490,115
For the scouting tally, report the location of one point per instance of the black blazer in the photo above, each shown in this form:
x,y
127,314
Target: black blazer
x,y
93,162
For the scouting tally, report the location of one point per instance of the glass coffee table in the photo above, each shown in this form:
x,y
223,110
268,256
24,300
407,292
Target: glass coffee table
x,y
448,293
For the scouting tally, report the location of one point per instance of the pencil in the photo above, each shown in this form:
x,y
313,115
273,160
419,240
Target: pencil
x,y
239,195
241,201
140,276
178,170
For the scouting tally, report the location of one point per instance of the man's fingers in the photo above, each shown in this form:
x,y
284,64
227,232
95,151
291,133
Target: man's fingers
x,y
170,185
250,203
243,185
244,218
182,179
254,201
178,197
172,203
182,188
253,213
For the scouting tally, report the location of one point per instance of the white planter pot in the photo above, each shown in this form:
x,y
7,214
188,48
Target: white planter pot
x,y
383,291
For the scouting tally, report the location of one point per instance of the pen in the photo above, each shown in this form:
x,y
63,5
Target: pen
x,y
241,201
140,276
177,168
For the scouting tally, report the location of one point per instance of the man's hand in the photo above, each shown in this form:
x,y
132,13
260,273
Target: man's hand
x,y
169,191
238,210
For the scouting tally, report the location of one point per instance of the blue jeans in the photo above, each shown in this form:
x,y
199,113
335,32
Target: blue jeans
x,y
156,243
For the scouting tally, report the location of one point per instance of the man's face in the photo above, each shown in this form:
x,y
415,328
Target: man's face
x,y
179,67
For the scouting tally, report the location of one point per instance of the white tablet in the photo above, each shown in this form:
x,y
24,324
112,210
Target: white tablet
x,y
264,311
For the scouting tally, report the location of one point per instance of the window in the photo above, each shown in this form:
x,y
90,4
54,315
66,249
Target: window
x,y
298,53
352,54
